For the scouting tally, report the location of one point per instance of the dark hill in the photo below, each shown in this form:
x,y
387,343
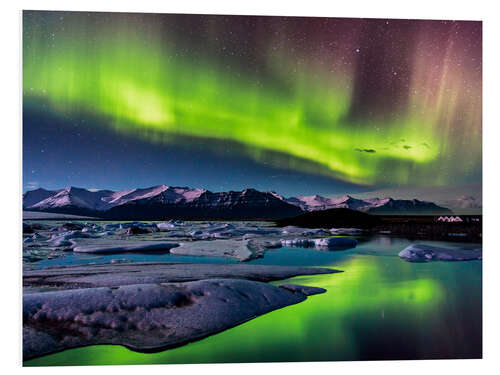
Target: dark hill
x,y
332,218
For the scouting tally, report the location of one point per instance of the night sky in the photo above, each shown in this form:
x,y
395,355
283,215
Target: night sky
x,y
296,105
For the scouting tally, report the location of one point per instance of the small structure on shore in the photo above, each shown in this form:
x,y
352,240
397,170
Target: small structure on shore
x,y
450,219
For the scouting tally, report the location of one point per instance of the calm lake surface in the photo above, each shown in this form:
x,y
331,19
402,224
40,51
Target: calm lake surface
x,y
380,307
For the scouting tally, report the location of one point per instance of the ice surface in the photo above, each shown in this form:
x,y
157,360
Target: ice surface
x,y
241,241
125,246
237,249
426,253
328,243
146,317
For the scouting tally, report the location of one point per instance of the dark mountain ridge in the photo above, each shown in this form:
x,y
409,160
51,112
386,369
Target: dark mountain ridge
x,y
170,202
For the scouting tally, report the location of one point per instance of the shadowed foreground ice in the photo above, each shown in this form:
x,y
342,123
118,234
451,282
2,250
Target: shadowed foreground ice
x,y
147,317
112,275
148,306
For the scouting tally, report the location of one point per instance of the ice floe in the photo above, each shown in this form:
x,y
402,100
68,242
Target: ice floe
x,y
426,253
124,246
237,249
146,317
111,275
328,243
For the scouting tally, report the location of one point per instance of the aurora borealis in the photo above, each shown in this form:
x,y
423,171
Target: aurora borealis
x,y
353,103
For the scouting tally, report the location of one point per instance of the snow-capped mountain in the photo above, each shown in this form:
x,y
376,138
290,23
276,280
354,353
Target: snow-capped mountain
x,y
32,197
74,197
317,202
372,205
398,206
160,202
312,202
102,200
204,204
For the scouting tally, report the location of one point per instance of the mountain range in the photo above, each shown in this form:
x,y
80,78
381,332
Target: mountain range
x,y
372,205
163,202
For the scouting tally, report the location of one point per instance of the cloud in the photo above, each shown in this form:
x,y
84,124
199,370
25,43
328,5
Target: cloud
x,y
369,150
32,185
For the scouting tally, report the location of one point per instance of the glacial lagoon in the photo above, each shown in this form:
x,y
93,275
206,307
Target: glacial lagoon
x,y
380,307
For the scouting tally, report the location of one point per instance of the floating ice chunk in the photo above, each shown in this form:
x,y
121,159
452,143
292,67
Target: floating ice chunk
x,y
237,249
39,237
167,225
164,227
124,246
61,243
63,239
346,231
114,261
333,243
315,232
111,226
221,235
70,226
93,228
106,233
264,245
328,243
260,231
225,234
292,230
136,224
427,253
216,230
69,235
297,242
137,230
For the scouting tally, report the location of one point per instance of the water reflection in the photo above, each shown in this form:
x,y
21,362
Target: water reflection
x,y
380,308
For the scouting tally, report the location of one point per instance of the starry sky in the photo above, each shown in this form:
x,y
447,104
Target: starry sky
x,y
292,104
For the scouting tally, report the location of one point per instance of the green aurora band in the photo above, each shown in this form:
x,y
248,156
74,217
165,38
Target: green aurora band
x,y
133,77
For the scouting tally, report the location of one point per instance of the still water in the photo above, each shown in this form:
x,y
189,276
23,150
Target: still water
x,y
380,307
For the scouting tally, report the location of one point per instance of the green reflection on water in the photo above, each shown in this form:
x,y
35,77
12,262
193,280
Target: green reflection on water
x,y
379,308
